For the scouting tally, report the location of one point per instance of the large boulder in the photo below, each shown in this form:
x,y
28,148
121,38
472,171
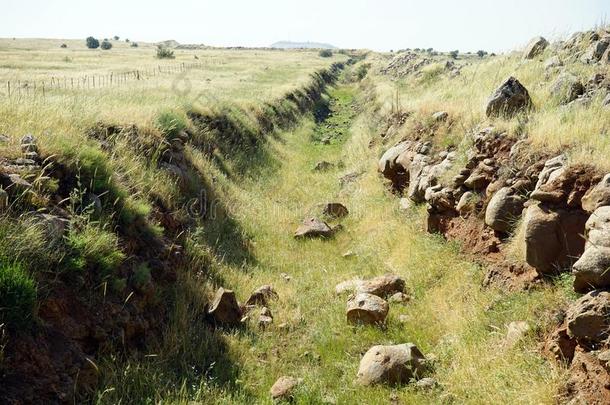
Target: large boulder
x,y
313,228
391,365
392,170
367,309
224,309
598,196
567,88
509,99
553,237
588,318
504,209
592,270
597,228
535,47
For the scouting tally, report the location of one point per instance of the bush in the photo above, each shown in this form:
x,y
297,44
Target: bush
x,y
164,52
127,40
92,43
134,44
116,38
106,45
325,53
454,54
481,53
63,46
17,296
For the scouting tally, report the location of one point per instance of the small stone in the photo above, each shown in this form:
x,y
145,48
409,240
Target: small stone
x,y
516,331
286,277
262,295
335,210
284,387
405,204
399,298
323,166
426,383
313,228
440,116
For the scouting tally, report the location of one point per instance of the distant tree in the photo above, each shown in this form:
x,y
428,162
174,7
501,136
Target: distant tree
x,y
164,52
134,44
481,53
92,43
325,53
454,54
430,50
417,49
116,37
106,45
63,46
127,40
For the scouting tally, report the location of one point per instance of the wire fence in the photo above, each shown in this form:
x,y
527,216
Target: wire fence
x,y
19,89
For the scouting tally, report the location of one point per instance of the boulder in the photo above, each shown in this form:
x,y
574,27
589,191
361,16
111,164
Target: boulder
x,y
262,296
391,365
348,286
399,298
366,309
390,168
509,99
535,47
224,309
383,286
597,196
588,319
597,228
15,184
283,388
440,116
29,144
504,209
553,168
313,228
468,203
567,88
52,226
553,237
591,271
335,210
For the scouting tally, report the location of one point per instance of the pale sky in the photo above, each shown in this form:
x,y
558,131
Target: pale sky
x,y
466,25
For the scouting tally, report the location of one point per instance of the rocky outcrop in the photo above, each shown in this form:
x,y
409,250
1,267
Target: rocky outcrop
x,y
535,47
391,365
509,99
366,309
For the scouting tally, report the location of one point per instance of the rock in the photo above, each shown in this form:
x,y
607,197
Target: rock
x,y
15,184
587,381
468,203
552,237
3,200
349,254
606,102
54,227
313,228
283,388
553,168
509,99
426,383
535,47
591,269
348,286
597,196
567,88
552,62
383,286
225,309
399,298
477,181
405,204
596,51
335,210
504,209
597,228
366,309
262,296
440,116
93,204
588,319
390,168
29,144
286,277
265,318
323,166
4,139
391,365
516,331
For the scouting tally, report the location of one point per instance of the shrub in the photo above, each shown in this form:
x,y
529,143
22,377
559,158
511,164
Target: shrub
x,y
325,53
481,53
92,43
134,44
17,295
454,54
116,37
106,45
164,52
63,46
127,40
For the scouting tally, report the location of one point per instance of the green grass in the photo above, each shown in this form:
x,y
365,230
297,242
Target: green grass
x,y
17,295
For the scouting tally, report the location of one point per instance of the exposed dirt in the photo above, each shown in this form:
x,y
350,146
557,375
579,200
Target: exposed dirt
x,y
588,382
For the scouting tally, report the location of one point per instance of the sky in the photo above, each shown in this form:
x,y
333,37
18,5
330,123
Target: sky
x,y
465,25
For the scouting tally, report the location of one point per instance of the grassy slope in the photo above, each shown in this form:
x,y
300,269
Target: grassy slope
x,y
450,315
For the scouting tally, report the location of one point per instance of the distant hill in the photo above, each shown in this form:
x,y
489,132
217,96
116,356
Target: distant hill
x,y
301,45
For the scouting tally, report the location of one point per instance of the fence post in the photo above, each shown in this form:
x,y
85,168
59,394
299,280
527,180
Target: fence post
x,y
9,87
